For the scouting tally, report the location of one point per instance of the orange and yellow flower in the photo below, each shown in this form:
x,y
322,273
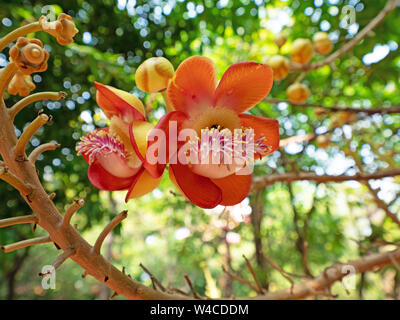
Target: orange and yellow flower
x,y
116,154
201,103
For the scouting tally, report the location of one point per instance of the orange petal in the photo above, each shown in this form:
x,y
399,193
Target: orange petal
x,y
193,85
200,190
143,184
115,102
243,85
234,188
263,127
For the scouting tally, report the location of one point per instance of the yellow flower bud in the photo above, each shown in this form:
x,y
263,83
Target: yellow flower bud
x,y
280,66
63,29
302,51
29,55
297,93
280,39
153,75
322,43
21,84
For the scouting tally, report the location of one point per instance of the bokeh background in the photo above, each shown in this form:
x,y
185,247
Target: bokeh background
x,y
171,237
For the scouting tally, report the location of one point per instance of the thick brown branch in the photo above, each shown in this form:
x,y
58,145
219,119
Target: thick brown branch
x,y
113,223
18,220
261,182
389,7
25,243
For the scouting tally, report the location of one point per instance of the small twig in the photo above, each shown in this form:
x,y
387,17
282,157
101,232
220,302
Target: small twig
x,y
42,148
25,243
155,281
113,223
16,108
27,135
114,295
21,31
253,274
18,220
279,269
194,292
13,180
60,260
241,280
75,206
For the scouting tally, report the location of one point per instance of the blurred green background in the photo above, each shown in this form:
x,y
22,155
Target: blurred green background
x,y
167,234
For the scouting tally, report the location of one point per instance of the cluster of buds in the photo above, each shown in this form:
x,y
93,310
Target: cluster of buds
x,y
301,52
30,56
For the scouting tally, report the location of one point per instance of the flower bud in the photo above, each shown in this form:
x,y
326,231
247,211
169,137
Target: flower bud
x,y
63,29
280,39
153,75
29,55
322,43
280,66
297,93
302,51
21,84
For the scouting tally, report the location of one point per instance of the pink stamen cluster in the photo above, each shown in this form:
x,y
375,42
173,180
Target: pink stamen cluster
x,y
100,142
225,148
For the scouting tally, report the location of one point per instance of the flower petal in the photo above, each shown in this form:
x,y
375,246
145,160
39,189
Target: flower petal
x,y
234,188
243,85
142,184
115,102
263,127
170,119
193,85
101,179
138,131
198,189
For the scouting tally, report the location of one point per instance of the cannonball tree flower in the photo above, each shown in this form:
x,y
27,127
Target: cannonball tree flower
x,y
116,154
201,104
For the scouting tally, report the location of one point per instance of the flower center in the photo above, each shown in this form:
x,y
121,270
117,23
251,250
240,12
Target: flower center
x,y
213,118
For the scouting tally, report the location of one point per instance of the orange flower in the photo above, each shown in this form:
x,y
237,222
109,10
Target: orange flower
x,y
201,104
116,154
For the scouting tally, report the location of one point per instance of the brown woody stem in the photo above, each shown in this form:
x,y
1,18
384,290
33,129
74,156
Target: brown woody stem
x,y
20,32
25,243
113,223
18,220
40,149
16,108
28,134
